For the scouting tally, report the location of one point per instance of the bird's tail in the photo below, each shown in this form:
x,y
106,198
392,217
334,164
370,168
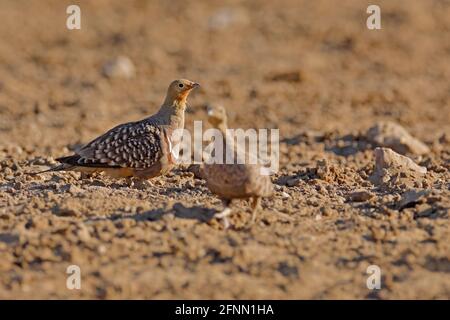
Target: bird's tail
x,y
61,167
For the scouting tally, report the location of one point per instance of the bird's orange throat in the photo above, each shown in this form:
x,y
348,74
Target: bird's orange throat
x,y
181,98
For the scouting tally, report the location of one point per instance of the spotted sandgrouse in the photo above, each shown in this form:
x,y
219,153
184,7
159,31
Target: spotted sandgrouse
x,y
141,149
234,181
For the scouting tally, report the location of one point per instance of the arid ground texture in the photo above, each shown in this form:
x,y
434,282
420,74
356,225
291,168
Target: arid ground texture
x,y
312,69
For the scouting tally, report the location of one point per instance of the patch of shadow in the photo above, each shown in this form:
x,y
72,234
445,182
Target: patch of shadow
x,y
373,295
429,240
63,211
396,17
287,270
294,180
324,293
199,213
9,238
216,257
352,263
342,225
172,190
44,186
345,44
150,215
412,197
400,277
437,264
160,254
347,145
179,210
98,183
117,38
341,145
367,210
403,260
307,137
6,186
436,212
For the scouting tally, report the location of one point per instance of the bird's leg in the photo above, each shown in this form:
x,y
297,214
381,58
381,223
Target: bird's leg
x,y
256,204
130,182
140,184
86,175
224,213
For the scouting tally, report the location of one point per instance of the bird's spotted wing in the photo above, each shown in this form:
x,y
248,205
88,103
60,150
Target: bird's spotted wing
x,y
133,145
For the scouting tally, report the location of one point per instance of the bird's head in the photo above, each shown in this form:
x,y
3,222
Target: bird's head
x,y
178,91
217,116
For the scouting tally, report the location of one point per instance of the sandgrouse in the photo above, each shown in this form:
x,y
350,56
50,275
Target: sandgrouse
x,y
141,149
234,181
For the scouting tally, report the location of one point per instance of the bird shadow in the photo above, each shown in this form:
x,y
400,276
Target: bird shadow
x,y
195,212
150,215
198,213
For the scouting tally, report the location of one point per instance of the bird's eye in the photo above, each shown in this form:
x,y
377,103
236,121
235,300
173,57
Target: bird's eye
x,y
181,85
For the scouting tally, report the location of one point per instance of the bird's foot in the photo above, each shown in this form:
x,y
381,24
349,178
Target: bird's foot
x,y
223,215
142,184
253,218
256,204
138,184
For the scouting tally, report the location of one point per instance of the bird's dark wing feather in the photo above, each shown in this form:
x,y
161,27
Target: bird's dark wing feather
x,y
133,145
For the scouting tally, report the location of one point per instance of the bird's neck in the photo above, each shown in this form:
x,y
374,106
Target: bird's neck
x,y
222,127
172,114
176,99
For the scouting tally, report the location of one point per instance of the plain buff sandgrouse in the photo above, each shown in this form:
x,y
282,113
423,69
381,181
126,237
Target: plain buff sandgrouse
x,y
141,149
234,181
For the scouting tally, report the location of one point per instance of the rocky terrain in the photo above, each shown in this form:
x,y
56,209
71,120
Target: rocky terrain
x,y
364,119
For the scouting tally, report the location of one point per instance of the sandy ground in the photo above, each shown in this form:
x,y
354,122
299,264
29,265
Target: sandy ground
x,y
310,68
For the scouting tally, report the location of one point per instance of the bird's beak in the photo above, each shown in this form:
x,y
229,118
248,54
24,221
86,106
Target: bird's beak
x,y
194,85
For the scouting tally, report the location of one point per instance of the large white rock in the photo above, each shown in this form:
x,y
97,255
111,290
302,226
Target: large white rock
x,y
394,168
394,136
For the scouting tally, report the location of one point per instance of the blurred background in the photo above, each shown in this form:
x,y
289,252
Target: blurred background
x,y
290,64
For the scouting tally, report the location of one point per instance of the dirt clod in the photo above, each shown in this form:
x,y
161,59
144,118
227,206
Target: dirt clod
x,y
392,168
392,135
